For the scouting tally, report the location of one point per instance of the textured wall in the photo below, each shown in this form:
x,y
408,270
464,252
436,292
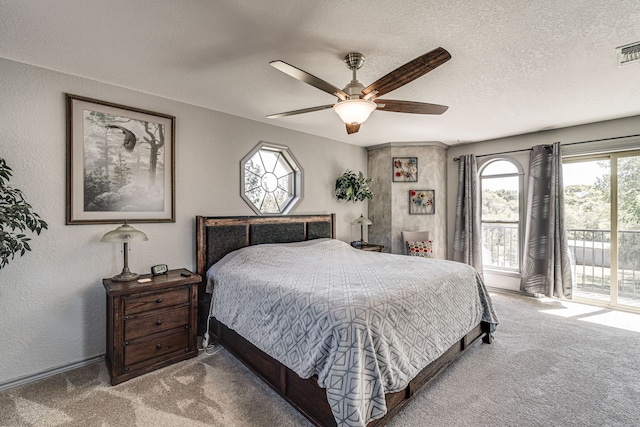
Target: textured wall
x,y
389,209
380,207
52,303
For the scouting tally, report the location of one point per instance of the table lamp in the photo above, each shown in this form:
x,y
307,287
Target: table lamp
x,y
362,221
125,234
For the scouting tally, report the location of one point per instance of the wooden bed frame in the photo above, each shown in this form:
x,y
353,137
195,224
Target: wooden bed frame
x,y
217,236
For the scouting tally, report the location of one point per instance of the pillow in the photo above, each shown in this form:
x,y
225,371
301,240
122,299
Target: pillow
x,y
421,249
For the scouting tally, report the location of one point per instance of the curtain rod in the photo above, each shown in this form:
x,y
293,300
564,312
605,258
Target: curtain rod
x,y
455,159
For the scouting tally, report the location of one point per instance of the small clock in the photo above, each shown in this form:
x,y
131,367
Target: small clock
x,y
159,269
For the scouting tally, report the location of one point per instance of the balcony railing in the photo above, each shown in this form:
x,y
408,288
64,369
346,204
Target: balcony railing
x,y
591,251
500,245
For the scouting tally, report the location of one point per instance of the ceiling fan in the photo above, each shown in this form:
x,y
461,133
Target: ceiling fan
x,y
356,102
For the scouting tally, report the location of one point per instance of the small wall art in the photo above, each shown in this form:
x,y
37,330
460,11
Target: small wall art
x,y
422,202
405,169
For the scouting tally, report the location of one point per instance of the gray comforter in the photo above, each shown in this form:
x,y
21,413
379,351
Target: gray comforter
x,y
365,323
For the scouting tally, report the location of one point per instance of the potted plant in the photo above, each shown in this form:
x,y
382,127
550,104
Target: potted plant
x,y
16,216
353,188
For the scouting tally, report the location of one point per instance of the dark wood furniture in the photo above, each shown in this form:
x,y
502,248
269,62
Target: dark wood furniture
x,y
150,325
217,236
371,247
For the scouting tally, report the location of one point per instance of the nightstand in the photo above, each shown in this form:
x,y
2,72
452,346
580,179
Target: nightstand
x,y
150,325
371,247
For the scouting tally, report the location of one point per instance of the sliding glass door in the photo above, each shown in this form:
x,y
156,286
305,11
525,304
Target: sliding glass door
x,y
602,208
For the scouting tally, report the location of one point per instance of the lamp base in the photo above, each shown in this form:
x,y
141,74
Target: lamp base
x,y
125,276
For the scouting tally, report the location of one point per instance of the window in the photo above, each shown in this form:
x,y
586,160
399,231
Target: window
x,y
501,186
271,179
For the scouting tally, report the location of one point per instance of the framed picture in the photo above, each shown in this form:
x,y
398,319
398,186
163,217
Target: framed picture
x,y
405,169
120,163
422,202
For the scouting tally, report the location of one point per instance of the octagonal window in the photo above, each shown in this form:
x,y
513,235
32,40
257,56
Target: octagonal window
x,y
271,179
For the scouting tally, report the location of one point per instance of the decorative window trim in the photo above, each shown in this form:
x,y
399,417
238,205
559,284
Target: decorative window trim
x,y
291,161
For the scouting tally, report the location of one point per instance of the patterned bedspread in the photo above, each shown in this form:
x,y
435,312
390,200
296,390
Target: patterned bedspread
x,y
365,323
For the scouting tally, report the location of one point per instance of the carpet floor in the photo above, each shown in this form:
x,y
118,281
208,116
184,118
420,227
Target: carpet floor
x,y
552,364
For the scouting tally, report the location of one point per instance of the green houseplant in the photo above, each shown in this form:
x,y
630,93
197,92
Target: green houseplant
x,y
353,188
16,217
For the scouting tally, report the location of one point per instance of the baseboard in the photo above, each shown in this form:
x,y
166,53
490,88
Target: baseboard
x,y
507,291
48,373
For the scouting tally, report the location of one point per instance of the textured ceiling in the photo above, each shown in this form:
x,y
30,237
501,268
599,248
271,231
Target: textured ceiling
x,y
516,66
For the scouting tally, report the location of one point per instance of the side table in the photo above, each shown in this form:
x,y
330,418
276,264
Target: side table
x,y
150,325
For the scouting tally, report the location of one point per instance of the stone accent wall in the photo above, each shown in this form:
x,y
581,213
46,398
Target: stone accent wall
x,y
389,208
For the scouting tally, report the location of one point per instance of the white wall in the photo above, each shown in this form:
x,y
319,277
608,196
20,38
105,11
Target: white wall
x,y
589,132
52,303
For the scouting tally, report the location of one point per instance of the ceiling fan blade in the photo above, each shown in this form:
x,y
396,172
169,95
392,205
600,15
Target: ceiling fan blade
x,y
410,107
407,73
310,79
352,128
302,111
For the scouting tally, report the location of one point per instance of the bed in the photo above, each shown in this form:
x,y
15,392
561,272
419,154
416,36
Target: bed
x,y
343,352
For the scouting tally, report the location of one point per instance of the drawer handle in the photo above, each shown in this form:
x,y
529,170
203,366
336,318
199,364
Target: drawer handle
x,y
159,300
158,346
158,322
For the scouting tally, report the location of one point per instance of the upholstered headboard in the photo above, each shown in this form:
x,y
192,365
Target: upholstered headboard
x,y
217,236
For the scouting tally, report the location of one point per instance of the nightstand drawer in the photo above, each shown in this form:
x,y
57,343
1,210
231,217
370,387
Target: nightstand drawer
x,y
155,300
141,326
144,350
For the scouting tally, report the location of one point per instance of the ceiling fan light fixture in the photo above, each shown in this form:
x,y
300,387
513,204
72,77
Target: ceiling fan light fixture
x,y
354,111
355,102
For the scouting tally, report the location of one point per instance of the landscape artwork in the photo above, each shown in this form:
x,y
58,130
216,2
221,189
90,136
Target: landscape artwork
x,y
120,164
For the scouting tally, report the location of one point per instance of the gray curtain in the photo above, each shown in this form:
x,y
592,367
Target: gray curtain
x,y
467,236
546,266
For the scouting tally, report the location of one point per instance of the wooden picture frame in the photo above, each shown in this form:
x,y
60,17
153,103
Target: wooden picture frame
x,y
120,163
405,169
422,202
